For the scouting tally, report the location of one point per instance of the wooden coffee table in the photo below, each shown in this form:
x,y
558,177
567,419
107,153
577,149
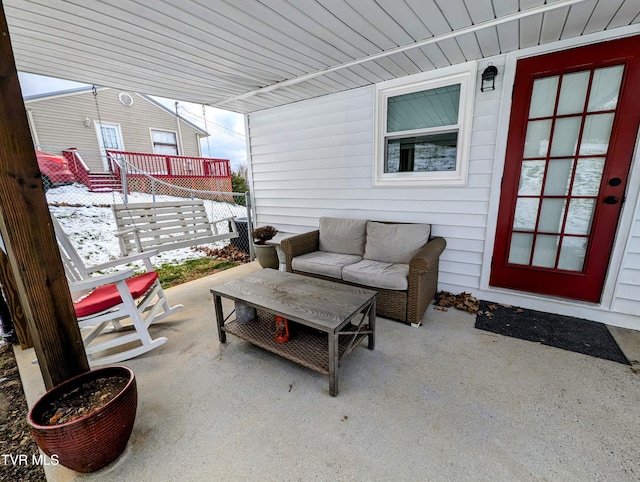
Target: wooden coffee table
x,y
330,319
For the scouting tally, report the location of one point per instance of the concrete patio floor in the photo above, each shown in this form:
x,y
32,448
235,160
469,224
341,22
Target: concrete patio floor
x,y
440,402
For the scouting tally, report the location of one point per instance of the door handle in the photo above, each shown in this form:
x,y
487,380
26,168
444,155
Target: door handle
x,y
611,200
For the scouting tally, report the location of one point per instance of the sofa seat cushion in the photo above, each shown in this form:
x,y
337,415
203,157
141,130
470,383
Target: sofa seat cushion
x,y
395,243
389,276
344,236
322,263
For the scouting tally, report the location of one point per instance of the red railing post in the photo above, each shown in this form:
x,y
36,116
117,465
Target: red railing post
x,y
169,170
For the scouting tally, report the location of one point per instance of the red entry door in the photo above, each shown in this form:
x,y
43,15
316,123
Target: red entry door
x,y
572,132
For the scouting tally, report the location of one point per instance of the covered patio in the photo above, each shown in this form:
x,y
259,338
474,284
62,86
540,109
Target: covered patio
x,y
441,402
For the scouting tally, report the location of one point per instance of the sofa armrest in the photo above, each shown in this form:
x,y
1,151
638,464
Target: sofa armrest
x,y
300,244
423,279
427,256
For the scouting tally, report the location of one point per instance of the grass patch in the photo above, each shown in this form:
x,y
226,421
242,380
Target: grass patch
x,y
174,274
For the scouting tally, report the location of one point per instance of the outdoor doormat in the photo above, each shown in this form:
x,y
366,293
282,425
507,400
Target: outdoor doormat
x,y
566,332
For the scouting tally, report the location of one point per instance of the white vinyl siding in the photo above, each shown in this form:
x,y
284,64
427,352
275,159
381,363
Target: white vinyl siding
x,y
627,295
315,158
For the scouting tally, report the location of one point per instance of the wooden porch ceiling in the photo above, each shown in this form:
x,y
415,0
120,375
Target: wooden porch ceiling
x,y
253,54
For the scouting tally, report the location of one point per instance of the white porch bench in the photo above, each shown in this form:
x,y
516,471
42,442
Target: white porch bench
x,y
165,226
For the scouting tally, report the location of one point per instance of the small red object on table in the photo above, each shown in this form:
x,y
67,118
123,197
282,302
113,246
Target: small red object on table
x,y
282,329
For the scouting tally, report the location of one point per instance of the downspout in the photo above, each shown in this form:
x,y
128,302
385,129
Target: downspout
x,y
32,128
180,149
252,219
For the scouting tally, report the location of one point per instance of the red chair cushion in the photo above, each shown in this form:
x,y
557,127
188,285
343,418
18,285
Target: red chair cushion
x,y
107,296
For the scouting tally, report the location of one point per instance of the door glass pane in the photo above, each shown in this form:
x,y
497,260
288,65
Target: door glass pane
x,y
558,177
573,93
572,253
526,214
424,109
565,136
588,177
545,252
579,216
109,137
537,141
551,215
595,137
520,250
605,88
543,97
531,176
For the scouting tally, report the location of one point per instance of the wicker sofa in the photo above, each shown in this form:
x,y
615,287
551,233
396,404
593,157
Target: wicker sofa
x,y
399,260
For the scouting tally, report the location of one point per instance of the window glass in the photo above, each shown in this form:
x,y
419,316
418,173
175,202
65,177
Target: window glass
x,y
551,215
424,109
423,128
537,141
605,88
422,154
565,136
572,253
164,142
573,93
531,176
543,98
520,251
558,177
526,214
545,251
595,137
109,137
588,176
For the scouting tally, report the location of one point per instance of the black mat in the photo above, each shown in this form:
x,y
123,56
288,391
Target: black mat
x,y
566,332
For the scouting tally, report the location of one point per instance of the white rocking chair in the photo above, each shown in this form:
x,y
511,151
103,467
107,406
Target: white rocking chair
x,y
107,299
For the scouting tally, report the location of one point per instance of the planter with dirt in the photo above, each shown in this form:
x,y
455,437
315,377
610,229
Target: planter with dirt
x,y
87,420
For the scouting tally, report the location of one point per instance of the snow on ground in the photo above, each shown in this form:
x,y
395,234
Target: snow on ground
x,y
87,219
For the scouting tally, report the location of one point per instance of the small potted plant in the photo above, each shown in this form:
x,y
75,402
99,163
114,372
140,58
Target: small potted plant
x,y
265,253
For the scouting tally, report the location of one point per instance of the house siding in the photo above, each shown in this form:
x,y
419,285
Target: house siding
x,y
627,295
58,121
315,158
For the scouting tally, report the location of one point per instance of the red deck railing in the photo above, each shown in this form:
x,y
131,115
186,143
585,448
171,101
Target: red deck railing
x,y
161,165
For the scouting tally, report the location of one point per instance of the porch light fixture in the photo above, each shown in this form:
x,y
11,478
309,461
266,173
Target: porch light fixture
x,y
87,122
489,76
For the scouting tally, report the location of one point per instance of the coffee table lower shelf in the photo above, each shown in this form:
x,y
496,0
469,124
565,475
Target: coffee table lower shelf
x,y
307,347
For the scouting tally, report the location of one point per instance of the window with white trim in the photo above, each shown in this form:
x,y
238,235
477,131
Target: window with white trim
x,y
164,142
423,130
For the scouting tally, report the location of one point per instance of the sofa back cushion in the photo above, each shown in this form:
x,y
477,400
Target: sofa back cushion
x,y
344,236
395,243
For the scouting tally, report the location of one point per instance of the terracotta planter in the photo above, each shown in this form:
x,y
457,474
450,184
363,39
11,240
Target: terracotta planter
x,y
266,255
95,440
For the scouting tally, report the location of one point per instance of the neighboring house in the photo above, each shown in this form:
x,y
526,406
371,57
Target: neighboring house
x,y
130,122
526,182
